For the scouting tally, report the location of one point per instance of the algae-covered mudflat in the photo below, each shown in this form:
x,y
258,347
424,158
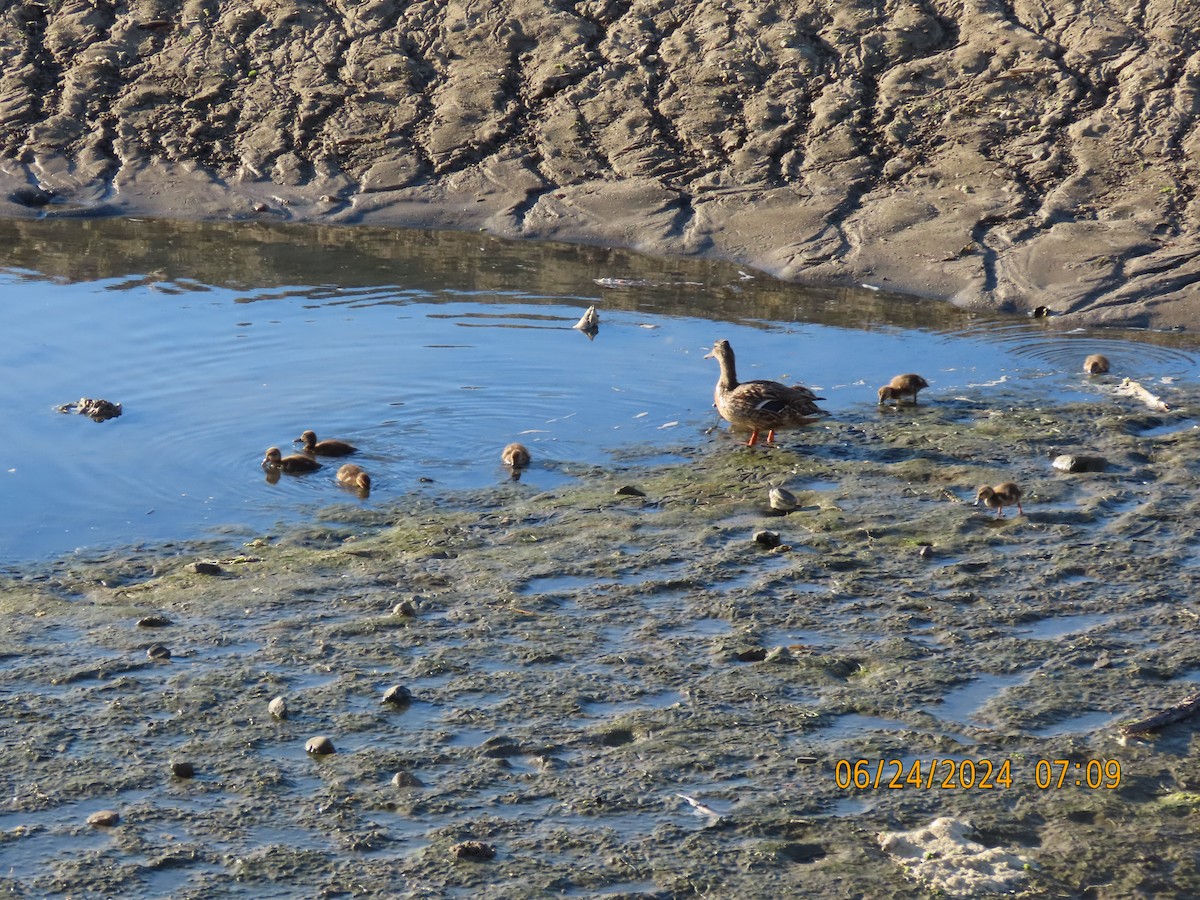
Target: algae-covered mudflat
x,y
622,693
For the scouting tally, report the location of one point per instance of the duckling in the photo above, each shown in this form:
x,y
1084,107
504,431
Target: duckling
x,y
589,322
516,456
352,476
294,464
901,385
760,405
998,497
324,448
1096,364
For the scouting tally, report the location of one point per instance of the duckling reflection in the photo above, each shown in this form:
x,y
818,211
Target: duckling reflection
x,y
324,448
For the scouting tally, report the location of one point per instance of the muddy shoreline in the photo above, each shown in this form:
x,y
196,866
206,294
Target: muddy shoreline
x,y
1003,158
626,694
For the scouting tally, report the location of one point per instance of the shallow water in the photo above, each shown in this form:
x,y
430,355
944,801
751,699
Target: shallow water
x,y
429,351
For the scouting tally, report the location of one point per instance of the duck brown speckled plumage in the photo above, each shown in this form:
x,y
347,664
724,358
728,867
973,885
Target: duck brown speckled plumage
x,y
1004,494
760,405
295,463
324,448
901,386
1096,364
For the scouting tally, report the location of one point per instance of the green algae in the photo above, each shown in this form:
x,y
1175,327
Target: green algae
x,y
579,658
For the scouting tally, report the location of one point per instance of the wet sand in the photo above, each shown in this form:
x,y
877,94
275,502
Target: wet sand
x,y
1005,158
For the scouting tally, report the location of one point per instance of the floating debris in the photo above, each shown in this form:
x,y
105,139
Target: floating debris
x,y
95,409
1129,388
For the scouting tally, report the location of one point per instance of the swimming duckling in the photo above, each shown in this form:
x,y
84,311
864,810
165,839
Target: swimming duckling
x,y
324,448
901,385
295,463
760,405
1096,364
1000,496
354,477
516,456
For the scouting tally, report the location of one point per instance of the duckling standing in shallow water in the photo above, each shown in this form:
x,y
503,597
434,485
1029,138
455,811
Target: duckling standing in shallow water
x,y
352,476
516,456
1096,364
324,448
998,497
900,386
760,405
294,464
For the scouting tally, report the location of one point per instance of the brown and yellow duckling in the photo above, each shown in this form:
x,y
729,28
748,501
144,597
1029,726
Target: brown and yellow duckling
x,y
1005,494
1096,364
516,456
354,477
760,405
324,448
902,386
294,464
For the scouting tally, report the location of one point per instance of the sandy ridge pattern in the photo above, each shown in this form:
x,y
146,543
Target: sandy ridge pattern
x,y
1008,155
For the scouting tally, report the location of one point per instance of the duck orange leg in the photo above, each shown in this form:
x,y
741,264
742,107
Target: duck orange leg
x,y
771,436
753,439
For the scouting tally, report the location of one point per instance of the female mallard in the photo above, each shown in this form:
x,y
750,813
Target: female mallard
x,y
294,464
760,405
901,386
998,497
354,477
324,448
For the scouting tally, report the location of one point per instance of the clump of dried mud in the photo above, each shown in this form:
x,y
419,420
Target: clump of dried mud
x,y
1010,156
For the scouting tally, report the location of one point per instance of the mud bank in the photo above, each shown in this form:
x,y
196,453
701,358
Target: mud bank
x,y
626,694
1006,156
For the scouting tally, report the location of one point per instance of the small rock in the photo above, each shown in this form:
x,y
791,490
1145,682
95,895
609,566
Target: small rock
x,y
405,608
319,746
153,622
1069,462
278,708
778,654
768,539
1042,312
397,695
182,769
206,568
105,818
754,654
158,651
628,490
925,551
407,780
782,499
476,851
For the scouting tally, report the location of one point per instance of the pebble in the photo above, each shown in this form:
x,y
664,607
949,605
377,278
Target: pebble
x,y
182,769
1069,462
319,746
397,695
158,651
407,780
278,708
105,818
405,608
782,499
154,622
767,538
206,568
628,490
476,851
925,551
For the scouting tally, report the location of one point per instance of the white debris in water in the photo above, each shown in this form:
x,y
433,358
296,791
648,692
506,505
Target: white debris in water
x,y
942,857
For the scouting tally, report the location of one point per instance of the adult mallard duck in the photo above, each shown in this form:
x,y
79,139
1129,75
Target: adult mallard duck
x,y
294,464
901,386
998,497
760,405
354,477
324,448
